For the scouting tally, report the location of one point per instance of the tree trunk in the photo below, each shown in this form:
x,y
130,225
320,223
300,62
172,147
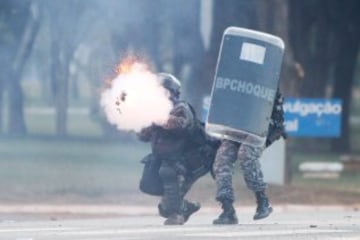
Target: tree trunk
x,y
344,75
60,74
225,14
189,52
314,51
65,39
16,121
317,85
276,22
345,24
3,75
1,103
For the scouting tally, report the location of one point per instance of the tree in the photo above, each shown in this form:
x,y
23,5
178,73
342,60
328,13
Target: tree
x,y
276,22
65,37
225,14
345,21
326,44
310,38
188,49
22,20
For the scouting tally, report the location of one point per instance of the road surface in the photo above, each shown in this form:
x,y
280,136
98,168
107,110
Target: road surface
x,y
130,223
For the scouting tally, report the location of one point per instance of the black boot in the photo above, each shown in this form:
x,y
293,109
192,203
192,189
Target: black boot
x,y
189,208
228,216
162,211
175,219
172,218
263,206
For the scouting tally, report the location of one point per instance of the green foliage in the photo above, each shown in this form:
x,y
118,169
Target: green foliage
x,y
79,124
53,167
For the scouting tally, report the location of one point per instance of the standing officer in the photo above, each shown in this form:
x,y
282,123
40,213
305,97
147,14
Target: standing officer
x,y
228,152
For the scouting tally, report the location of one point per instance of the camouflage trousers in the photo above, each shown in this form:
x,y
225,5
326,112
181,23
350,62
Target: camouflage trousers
x,y
226,157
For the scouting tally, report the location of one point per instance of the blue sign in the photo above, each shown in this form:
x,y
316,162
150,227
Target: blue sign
x,y
312,117
305,117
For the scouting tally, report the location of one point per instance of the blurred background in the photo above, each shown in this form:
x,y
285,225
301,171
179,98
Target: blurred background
x,y
55,144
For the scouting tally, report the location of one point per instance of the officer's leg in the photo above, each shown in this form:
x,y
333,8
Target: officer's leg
x,y
197,163
223,168
188,208
250,165
171,203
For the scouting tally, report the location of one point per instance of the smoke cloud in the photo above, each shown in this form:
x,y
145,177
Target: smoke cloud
x,y
136,99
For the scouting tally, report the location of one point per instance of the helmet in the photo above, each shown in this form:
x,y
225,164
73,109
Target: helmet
x,y
171,83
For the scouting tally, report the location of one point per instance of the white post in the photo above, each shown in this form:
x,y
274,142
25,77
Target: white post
x,y
273,163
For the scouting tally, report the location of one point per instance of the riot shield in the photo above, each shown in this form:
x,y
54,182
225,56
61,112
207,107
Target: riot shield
x,y
245,85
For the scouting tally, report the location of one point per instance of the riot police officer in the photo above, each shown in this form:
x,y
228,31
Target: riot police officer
x,y
181,154
229,152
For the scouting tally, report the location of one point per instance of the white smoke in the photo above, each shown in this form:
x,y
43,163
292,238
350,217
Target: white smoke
x,y
135,100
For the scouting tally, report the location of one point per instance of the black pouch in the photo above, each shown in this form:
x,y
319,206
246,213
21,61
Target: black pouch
x,y
150,181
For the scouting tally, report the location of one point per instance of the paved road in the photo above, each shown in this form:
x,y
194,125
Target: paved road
x,y
324,223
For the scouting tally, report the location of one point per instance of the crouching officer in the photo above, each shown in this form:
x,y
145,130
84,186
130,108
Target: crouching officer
x,y
181,154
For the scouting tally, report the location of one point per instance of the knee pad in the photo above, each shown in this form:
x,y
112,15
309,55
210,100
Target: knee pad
x,y
154,188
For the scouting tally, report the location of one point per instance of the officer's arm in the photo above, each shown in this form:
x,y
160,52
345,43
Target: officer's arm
x,y
145,134
180,118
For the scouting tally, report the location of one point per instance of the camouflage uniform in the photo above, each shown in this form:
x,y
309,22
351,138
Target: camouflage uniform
x,y
226,157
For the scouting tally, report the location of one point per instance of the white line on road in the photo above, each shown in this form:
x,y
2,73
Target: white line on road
x,y
17,230
265,233
184,231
